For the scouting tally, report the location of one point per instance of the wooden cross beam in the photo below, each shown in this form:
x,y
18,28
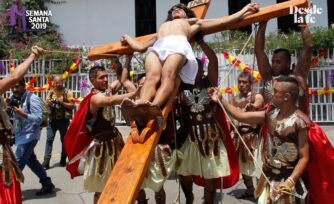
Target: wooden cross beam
x,y
265,13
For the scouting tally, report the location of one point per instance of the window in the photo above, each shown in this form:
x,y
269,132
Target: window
x,y
235,6
185,1
145,17
285,24
330,5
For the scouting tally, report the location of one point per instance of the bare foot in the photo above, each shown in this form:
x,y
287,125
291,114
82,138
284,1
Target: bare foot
x,y
128,102
140,102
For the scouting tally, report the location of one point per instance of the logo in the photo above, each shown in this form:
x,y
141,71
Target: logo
x,y
310,14
38,19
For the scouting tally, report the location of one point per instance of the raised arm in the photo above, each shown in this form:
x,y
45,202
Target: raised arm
x,y
213,62
257,117
115,86
20,70
261,57
125,81
304,60
137,46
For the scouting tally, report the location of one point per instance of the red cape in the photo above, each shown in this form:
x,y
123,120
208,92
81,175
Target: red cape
x,y
11,194
319,173
233,159
77,136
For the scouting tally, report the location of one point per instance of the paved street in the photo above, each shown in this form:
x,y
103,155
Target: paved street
x,y
70,191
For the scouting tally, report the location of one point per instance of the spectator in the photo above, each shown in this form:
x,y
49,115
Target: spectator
x,y
27,120
60,103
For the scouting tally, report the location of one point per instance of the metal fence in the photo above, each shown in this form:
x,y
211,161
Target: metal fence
x,y
321,107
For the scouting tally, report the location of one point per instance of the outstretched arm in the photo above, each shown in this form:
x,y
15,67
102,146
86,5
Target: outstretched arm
x,y
304,60
20,70
213,62
137,46
261,57
246,117
100,100
226,20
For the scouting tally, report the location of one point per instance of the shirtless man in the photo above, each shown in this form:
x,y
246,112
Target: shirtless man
x,y
122,73
171,54
281,64
247,100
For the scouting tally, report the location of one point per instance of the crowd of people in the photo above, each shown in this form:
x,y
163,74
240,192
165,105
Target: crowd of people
x,y
271,127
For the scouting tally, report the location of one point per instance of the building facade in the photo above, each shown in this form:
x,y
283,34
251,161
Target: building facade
x,y
86,22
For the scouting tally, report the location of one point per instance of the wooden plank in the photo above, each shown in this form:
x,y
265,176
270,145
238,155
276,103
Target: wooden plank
x,y
127,176
199,7
265,13
104,51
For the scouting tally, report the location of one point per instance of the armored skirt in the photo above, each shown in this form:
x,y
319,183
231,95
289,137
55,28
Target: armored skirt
x,y
99,163
203,150
208,167
102,153
161,166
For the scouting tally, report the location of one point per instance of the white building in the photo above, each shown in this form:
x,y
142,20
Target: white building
x,y
87,22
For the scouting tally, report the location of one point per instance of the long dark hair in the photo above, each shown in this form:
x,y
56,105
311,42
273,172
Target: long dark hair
x,y
190,13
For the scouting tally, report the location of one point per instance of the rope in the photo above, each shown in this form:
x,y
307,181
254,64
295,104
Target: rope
x,y
139,61
177,199
74,52
284,190
233,65
65,52
252,72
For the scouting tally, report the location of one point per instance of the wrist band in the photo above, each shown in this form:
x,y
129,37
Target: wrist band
x,y
291,181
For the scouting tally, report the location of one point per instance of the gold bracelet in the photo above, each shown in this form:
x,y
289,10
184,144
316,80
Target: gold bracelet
x,y
291,181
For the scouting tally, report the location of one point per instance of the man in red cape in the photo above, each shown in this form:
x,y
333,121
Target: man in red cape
x,y
92,142
286,147
322,152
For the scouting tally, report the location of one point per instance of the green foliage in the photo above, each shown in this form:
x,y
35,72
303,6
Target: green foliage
x,y
323,37
20,44
235,40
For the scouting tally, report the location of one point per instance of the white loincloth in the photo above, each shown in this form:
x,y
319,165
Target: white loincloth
x,y
166,46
